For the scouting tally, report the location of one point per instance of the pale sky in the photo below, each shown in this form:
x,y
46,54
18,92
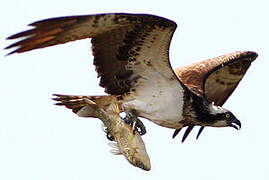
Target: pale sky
x,y
41,141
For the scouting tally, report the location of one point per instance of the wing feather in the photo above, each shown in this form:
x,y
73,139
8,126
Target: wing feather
x,y
128,49
216,78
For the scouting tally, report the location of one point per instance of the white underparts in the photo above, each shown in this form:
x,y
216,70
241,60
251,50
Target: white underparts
x,y
163,105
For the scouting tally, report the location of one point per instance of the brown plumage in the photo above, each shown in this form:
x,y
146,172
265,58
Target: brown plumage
x,y
117,41
131,56
215,78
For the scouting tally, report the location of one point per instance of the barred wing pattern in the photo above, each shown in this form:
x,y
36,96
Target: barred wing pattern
x,y
130,50
215,78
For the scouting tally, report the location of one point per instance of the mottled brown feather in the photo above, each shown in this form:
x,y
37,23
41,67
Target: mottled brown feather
x,y
215,78
75,103
117,40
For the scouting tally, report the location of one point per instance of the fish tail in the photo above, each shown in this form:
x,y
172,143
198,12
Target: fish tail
x,y
78,105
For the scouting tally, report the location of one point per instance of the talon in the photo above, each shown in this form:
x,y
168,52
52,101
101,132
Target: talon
x,y
135,128
110,137
136,123
141,129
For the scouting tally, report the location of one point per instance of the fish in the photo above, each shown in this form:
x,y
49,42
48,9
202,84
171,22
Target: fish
x,y
127,142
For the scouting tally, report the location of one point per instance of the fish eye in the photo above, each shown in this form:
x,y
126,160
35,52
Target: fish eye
x,y
227,115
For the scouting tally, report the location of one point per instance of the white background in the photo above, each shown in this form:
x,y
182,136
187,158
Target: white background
x,y
41,141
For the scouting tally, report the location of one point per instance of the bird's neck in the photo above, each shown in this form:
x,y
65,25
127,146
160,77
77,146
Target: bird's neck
x,y
203,111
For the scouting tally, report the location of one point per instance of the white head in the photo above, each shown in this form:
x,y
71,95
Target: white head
x,y
221,117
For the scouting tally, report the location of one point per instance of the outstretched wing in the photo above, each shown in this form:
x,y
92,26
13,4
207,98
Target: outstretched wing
x,y
129,50
216,78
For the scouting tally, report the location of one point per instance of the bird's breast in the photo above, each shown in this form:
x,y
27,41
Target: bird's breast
x,y
165,110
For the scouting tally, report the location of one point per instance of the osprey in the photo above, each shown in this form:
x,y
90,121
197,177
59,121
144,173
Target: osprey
x,y
131,56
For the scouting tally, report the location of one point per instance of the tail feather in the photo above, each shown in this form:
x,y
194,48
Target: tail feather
x,y
79,106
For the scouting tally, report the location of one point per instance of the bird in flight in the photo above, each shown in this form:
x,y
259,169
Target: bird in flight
x,y
131,56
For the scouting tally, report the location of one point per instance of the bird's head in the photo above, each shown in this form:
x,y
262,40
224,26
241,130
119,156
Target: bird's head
x,y
221,117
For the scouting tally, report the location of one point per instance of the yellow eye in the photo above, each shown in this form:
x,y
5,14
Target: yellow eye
x,y
228,115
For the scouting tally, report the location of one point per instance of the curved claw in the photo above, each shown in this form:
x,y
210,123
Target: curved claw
x,y
139,126
108,135
135,122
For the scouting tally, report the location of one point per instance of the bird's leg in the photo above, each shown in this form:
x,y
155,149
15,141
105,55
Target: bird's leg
x,y
132,119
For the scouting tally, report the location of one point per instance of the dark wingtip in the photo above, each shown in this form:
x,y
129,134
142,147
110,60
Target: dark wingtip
x,y
9,53
59,104
176,133
199,132
11,46
187,132
254,54
251,54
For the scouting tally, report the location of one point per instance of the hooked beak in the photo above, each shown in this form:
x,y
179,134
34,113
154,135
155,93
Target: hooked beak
x,y
236,124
